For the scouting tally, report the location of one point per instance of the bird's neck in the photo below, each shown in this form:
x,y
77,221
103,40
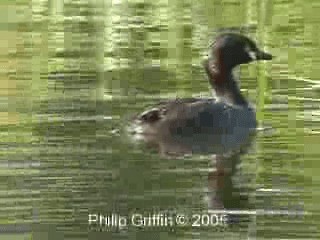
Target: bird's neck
x,y
223,84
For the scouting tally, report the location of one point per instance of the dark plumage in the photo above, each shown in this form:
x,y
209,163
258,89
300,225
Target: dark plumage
x,y
228,119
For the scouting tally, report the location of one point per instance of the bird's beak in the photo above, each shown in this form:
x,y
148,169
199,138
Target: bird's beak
x,y
260,55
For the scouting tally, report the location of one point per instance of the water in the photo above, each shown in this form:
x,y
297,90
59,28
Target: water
x,y
65,152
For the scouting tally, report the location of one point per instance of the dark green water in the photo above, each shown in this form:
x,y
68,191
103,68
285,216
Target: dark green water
x,y
65,152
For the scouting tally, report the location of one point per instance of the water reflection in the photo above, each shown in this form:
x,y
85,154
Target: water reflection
x,y
222,193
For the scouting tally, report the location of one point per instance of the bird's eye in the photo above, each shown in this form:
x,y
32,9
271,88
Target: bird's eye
x,y
251,53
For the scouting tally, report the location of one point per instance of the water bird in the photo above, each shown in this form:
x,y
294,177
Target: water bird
x,y
221,122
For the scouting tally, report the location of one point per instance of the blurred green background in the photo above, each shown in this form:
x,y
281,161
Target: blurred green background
x,y
73,72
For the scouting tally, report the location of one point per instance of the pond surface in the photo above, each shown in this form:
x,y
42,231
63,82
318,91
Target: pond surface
x,y
68,163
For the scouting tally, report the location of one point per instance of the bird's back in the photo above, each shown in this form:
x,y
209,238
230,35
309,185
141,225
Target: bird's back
x,y
197,122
